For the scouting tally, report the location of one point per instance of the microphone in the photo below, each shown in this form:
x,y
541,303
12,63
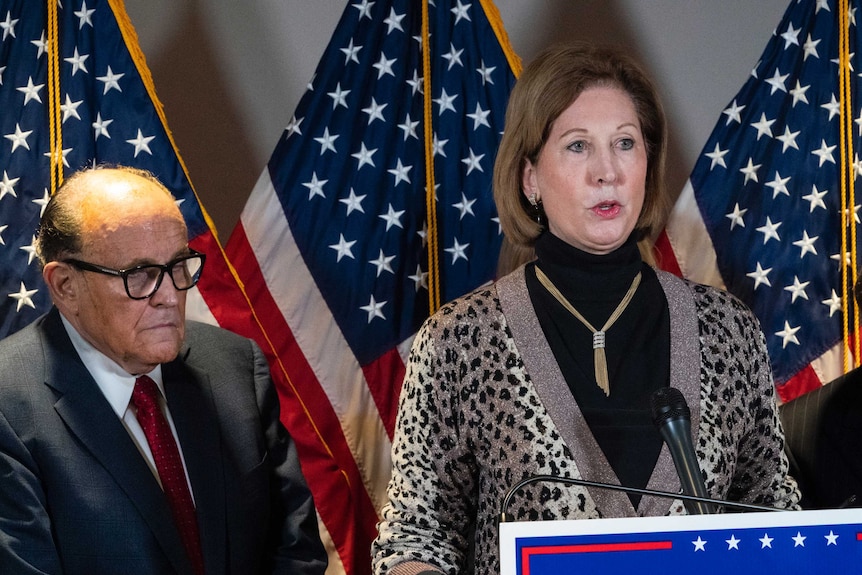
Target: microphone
x,y
504,517
672,417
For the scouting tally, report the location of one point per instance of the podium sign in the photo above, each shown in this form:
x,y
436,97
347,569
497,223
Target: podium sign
x,y
784,542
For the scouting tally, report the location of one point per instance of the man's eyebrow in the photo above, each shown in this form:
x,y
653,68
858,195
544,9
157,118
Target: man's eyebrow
x,y
186,251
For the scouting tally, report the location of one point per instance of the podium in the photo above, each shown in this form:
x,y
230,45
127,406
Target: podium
x,y
781,542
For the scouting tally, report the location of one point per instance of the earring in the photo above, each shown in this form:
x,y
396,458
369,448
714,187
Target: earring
x,y
538,210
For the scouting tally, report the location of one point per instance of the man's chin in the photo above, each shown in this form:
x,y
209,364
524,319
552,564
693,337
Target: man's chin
x,y
161,350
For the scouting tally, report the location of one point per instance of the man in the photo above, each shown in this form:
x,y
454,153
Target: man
x,y
822,429
132,441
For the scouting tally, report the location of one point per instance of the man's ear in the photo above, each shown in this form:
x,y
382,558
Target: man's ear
x,y
63,285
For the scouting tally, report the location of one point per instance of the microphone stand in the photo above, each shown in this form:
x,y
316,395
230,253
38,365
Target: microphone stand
x,y
504,518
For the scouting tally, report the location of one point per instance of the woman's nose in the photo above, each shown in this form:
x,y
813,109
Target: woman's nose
x,y
604,167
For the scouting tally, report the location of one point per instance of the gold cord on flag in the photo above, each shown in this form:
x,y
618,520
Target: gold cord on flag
x,y
430,200
599,357
55,125
848,194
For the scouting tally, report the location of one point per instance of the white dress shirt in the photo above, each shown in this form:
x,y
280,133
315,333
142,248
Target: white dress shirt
x,y
117,385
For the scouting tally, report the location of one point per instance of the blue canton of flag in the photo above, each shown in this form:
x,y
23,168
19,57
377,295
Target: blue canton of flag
x,y
351,171
767,187
107,116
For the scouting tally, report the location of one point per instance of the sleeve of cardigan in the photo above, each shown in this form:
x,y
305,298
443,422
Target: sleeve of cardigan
x,y
762,468
432,490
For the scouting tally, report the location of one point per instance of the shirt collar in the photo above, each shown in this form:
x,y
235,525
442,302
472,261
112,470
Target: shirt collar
x,y
115,383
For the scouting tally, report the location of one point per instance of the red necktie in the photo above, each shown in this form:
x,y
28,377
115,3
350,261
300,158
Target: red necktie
x,y
169,465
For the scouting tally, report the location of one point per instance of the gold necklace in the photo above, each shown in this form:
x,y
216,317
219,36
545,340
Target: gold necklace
x,y
599,357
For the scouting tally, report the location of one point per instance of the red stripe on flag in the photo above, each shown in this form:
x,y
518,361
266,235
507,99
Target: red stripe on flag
x,y
665,256
334,478
804,381
387,369
220,291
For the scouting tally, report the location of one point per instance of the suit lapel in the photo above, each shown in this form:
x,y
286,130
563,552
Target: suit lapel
x,y
190,398
90,418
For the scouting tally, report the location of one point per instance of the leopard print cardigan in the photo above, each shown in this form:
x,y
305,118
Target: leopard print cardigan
x,y
484,406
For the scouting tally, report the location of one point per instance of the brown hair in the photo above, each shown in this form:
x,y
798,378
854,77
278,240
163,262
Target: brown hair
x,y
548,85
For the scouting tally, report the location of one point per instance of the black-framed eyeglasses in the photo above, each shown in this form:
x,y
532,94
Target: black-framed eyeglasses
x,y
143,281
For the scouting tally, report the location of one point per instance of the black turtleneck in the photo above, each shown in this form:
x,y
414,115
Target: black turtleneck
x,y
637,346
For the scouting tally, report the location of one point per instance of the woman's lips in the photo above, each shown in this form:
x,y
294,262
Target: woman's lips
x,y
607,209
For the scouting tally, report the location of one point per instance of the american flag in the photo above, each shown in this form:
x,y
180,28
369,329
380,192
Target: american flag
x,y
788,542
104,99
761,214
333,243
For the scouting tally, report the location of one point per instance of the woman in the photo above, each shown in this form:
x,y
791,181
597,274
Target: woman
x,y
550,370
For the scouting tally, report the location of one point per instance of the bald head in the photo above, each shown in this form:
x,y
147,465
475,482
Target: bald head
x,y
98,200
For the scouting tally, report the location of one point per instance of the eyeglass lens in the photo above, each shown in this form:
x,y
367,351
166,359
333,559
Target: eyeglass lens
x,y
143,281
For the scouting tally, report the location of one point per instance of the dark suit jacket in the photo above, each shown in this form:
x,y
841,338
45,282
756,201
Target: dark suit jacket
x,y
823,429
77,497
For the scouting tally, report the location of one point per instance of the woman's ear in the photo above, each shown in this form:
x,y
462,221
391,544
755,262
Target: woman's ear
x,y
529,183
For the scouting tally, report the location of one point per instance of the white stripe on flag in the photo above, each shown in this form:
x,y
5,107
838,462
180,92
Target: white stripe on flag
x,y
830,365
691,243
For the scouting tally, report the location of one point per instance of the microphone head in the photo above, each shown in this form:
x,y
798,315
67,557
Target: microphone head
x,y
668,404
